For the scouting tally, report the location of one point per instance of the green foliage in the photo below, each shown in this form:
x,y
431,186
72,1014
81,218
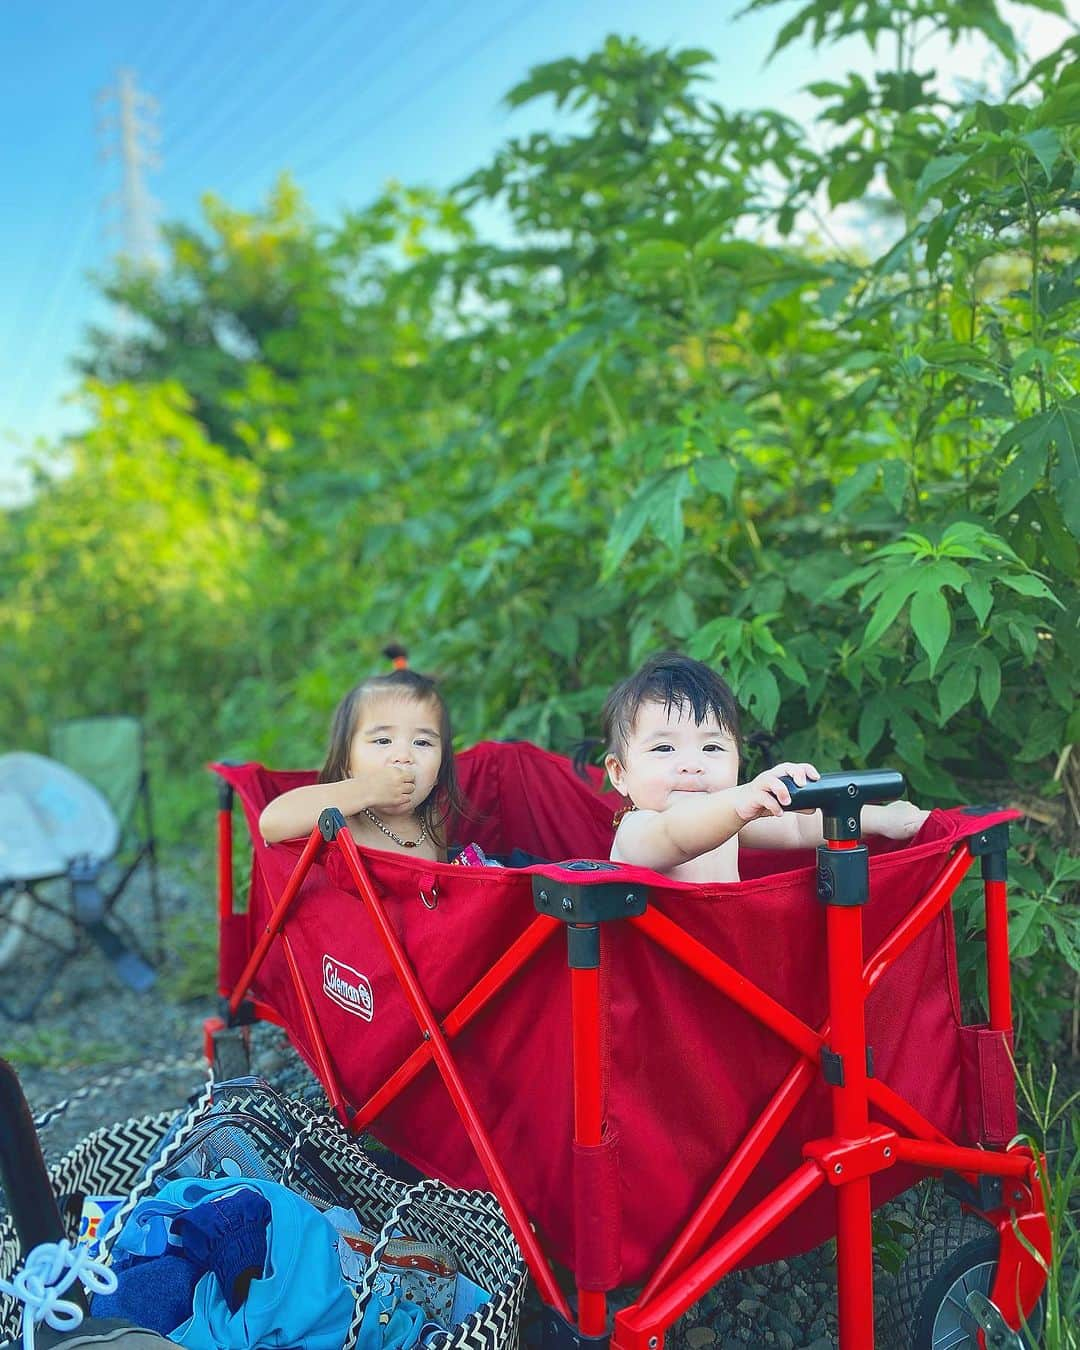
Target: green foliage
x,y
663,412
1054,1138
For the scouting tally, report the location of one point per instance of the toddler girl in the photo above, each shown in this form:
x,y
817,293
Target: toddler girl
x,y
389,771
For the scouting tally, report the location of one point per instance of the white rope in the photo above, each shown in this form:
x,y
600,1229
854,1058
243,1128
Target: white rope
x,y
48,1272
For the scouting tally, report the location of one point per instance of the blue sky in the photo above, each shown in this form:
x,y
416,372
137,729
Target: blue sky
x,y
343,93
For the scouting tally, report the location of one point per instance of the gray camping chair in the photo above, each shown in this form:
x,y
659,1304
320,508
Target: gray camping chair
x,y
63,859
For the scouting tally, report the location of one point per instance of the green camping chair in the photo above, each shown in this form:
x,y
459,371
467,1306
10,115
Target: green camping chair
x,y
109,753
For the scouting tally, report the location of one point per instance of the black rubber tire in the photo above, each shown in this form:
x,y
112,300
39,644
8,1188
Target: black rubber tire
x,y
932,1266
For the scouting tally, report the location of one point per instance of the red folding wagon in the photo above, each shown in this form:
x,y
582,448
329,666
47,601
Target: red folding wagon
x,y
661,1082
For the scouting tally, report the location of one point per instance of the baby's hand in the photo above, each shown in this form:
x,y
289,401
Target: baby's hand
x,y
767,794
391,787
898,820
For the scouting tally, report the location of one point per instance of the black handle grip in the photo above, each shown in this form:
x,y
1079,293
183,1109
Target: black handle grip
x,y
837,793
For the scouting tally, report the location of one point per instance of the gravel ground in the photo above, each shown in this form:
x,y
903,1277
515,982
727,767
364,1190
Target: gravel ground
x,y
141,1053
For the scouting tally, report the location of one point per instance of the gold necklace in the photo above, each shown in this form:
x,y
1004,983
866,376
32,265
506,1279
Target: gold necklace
x,y
402,843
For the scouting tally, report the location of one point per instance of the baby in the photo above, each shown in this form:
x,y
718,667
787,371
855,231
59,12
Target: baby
x,y
672,732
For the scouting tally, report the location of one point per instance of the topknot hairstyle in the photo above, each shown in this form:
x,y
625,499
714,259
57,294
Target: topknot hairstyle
x,y
676,681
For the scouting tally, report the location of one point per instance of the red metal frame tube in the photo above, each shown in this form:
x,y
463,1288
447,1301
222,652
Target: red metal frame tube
x,y
755,1144
463,1105
635,1325
697,957
588,1107
851,1117
225,863
997,956
919,918
904,1114
479,996
937,1157
854,1250
314,1033
225,880
765,1129
277,917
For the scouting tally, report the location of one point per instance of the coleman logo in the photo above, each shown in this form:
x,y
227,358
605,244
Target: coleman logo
x,y
347,987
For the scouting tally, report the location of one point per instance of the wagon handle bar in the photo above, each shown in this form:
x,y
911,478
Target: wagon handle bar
x,y
838,793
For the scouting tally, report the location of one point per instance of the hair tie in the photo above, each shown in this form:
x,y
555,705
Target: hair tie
x,y
397,655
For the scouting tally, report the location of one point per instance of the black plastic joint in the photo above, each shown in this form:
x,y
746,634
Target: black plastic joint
x,y
832,1068
224,795
244,1016
984,1194
556,1333
580,903
843,875
583,947
991,847
330,822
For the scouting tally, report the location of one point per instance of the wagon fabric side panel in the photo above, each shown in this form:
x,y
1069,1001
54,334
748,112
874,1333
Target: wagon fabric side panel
x,y
688,1071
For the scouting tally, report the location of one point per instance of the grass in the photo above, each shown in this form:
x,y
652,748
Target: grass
x,y
54,1047
1055,1136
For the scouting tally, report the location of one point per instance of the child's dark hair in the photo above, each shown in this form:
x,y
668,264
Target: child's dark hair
x,y
446,798
676,681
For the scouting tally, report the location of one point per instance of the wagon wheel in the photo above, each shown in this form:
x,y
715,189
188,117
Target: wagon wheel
x,y
15,905
926,1308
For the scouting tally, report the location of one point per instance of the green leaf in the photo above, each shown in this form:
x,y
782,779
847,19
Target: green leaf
x,y
759,693
937,171
629,523
931,623
851,180
680,615
717,474
872,723
989,678
851,489
980,597
585,373
657,255
1026,468
1045,145
1065,475
895,476
939,234
892,601
957,687
560,634
1027,584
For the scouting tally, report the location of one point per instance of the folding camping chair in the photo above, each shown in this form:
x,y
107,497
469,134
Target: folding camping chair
x,y
109,752
73,830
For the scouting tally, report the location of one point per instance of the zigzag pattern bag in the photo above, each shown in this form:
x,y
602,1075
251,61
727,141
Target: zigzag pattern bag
x,y
466,1228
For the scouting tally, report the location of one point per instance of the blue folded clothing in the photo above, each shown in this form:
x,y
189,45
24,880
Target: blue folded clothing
x,y
227,1236
226,1264
155,1293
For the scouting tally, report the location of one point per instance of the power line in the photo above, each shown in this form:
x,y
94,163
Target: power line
x,y
317,112
250,97
433,78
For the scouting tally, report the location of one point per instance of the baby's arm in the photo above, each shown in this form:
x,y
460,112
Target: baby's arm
x,y
897,820
297,811
696,824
